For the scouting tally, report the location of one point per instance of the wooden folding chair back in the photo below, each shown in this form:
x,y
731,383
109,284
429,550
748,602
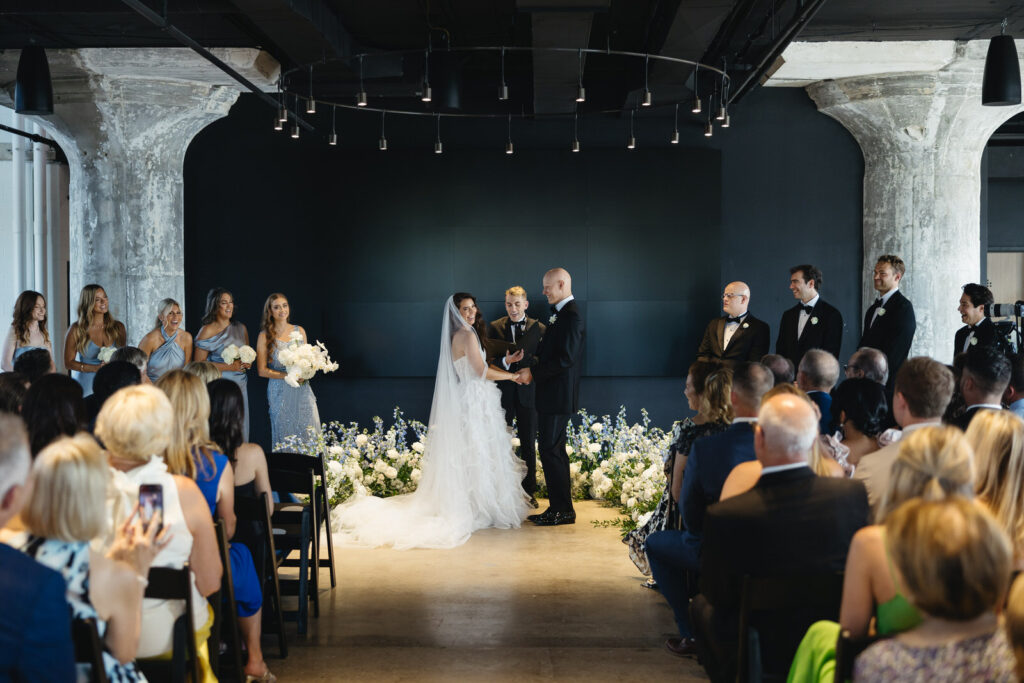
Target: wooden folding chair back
x,y
298,462
254,511
174,584
225,612
295,525
85,635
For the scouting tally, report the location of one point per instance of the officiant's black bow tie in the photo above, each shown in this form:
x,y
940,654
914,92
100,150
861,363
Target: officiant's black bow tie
x,y
734,320
519,325
806,309
878,301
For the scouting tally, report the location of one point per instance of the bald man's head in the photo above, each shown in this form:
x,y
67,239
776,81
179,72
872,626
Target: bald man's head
x,y
557,285
786,429
736,298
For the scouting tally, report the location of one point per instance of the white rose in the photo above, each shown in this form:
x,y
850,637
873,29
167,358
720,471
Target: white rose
x,y
597,427
335,467
390,473
574,468
594,448
379,466
418,447
516,443
361,440
392,453
230,353
336,451
415,475
569,450
247,354
623,498
631,502
105,353
354,452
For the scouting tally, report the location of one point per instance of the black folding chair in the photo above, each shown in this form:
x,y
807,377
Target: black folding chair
x,y
847,650
298,462
225,613
798,599
253,511
174,584
294,525
89,648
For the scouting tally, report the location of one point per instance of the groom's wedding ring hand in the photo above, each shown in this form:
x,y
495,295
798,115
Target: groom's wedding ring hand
x,y
524,376
511,358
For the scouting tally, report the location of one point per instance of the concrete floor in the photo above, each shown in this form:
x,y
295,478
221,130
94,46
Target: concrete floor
x,y
531,604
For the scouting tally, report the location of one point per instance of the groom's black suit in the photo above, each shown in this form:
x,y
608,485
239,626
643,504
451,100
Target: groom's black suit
x,y
556,369
519,400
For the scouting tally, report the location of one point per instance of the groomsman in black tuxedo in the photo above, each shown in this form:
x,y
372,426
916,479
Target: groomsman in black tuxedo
x,y
519,400
812,323
557,369
979,329
889,323
737,336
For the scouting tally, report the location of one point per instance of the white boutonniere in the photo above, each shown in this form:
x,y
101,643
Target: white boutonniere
x,y
881,311
552,319
814,320
746,325
974,341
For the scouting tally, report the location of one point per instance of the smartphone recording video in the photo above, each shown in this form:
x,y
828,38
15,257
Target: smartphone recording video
x,y
151,499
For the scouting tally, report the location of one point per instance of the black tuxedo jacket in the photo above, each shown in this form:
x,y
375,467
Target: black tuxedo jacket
x,y
963,420
501,330
710,461
985,333
892,332
750,342
557,366
826,333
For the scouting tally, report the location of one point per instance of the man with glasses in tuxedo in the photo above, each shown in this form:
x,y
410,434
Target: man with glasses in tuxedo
x,y
737,336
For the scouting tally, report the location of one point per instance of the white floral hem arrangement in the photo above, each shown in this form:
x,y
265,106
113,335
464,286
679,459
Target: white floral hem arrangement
x,y
609,460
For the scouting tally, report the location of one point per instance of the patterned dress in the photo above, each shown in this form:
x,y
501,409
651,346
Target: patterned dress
x,y
987,657
683,436
293,410
71,559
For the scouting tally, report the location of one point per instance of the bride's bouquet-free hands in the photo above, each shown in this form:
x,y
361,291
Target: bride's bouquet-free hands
x,y
302,360
244,353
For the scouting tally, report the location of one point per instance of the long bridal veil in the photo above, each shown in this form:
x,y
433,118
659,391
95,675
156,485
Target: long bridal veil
x,y
470,477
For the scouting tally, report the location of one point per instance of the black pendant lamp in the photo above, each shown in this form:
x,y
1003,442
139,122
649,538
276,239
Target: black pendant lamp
x,y
33,90
1001,84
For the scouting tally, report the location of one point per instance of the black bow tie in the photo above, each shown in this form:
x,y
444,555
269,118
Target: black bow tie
x,y
734,320
554,309
806,309
520,323
878,301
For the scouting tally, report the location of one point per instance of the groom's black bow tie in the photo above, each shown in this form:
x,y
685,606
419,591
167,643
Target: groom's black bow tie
x,y
878,301
554,309
806,309
734,320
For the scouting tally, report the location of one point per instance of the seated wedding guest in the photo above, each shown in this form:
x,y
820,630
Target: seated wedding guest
x,y
134,424
117,374
922,390
1013,397
933,464
954,561
1015,625
135,356
781,367
63,515
821,458
673,553
869,363
35,625
53,407
28,331
708,389
858,412
997,438
167,346
33,364
817,374
204,370
978,330
13,387
251,478
737,336
94,330
985,376
791,522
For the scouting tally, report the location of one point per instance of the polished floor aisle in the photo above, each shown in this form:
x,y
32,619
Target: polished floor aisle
x,y
531,604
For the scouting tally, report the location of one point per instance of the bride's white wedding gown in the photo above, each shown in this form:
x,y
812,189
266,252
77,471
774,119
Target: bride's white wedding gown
x,y
471,477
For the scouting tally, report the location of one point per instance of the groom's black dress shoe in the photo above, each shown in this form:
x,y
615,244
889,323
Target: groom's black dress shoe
x,y
556,519
543,515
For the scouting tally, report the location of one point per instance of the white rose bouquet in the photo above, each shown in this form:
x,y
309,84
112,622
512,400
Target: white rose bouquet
x,y
302,360
244,353
105,353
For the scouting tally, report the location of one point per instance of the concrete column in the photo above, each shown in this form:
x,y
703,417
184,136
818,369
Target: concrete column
x,y
39,164
18,204
124,118
922,135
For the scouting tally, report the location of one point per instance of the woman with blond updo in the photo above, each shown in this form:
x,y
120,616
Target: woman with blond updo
x,y
167,346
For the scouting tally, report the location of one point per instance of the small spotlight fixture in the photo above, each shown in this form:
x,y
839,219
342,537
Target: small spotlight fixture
x,y
295,130
427,96
382,144
509,149
332,139
648,98
310,103
575,132
277,123
33,89
503,89
438,149
1000,84
632,133
709,130
361,99
697,106
675,128
725,121
581,92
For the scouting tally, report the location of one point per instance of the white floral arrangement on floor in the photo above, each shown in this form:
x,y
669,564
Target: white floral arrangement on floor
x,y
303,360
611,461
244,353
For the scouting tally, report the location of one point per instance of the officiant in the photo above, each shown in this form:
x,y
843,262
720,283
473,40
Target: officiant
x,y
507,335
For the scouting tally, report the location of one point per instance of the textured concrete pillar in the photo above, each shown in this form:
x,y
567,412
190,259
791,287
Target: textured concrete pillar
x,y
125,117
922,135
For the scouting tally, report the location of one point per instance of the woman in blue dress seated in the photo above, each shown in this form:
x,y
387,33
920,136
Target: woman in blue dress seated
x,y
94,329
192,453
220,330
293,410
28,330
167,346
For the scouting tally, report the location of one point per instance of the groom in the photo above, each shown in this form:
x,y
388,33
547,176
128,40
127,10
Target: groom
x,y
556,367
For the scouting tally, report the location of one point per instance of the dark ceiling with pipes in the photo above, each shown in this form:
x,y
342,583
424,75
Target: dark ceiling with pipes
x,y
743,36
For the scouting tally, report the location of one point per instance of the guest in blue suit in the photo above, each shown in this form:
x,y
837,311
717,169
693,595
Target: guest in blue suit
x,y
817,374
674,553
35,623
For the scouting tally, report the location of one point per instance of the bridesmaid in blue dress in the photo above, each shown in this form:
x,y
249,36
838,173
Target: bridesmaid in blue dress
x,y
28,330
292,409
220,330
94,329
167,346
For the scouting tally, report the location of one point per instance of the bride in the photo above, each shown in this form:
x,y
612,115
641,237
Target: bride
x,y
471,478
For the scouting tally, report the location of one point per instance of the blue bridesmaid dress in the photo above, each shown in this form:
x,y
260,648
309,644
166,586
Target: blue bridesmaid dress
x,y
23,349
292,409
91,356
234,333
166,357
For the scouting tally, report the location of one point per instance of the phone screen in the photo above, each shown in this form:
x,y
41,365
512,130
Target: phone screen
x,y
151,499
